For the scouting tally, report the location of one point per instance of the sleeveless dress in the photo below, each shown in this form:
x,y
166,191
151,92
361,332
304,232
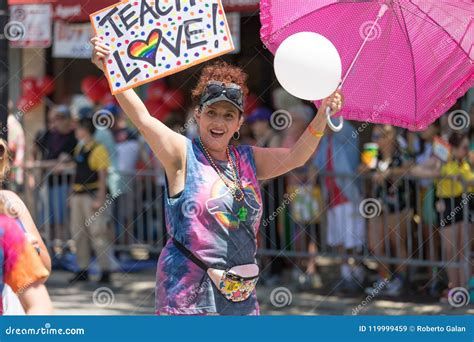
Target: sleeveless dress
x,y
204,219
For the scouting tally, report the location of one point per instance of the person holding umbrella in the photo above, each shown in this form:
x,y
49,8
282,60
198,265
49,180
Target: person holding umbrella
x,y
213,201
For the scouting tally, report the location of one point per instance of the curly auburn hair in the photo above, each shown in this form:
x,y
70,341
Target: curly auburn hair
x,y
222,72
4,160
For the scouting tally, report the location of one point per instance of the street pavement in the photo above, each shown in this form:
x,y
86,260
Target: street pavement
x,y
133,294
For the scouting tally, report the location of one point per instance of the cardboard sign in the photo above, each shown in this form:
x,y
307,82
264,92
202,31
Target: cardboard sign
x,y
441,149
151,39
72,40
29,26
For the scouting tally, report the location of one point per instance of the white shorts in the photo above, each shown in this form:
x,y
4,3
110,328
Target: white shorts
x,y
346,227
11,303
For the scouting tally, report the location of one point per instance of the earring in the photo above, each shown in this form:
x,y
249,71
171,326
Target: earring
x,y
238,135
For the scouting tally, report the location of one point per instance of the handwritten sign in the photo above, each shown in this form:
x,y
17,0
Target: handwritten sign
x,y
72,40
441,148
151,39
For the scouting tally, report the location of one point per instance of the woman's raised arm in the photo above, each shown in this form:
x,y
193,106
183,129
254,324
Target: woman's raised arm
x,y
168,146
273,162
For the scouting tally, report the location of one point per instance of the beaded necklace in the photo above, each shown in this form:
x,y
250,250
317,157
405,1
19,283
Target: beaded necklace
x,y
235,185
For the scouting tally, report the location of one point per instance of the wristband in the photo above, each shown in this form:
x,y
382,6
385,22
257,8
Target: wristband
x,y
314,132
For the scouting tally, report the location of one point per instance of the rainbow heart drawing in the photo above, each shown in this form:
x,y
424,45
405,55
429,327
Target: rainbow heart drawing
x,y
146,50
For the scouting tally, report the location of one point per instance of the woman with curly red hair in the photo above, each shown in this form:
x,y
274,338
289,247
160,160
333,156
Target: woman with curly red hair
x,y
213,203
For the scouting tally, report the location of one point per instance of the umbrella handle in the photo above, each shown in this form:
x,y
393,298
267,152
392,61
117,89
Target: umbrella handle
x,y
331,125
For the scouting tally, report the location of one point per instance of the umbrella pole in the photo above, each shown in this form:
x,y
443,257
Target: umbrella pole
x,y
332,126
383,9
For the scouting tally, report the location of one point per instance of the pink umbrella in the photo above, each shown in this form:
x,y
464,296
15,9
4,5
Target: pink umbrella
x,y
405,62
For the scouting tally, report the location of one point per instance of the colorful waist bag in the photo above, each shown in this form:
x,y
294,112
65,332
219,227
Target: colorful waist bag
x,y
236,283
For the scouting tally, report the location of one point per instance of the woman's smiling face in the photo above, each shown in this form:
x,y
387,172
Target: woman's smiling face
x,y
217,124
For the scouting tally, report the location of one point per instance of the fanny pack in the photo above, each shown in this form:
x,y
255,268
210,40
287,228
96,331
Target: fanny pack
x,y
236,284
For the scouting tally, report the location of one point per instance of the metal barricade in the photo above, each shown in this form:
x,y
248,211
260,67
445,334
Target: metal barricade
x,y
395,225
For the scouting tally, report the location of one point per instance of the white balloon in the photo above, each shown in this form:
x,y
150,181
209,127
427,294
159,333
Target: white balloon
x,y
308,66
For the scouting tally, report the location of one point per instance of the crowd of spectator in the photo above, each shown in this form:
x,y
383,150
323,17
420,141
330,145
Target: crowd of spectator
x,y
410,178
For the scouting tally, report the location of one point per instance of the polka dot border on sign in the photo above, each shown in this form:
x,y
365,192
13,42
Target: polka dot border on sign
x,y
169,26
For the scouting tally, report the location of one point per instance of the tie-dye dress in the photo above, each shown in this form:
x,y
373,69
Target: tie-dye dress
x,y
204,218
21,264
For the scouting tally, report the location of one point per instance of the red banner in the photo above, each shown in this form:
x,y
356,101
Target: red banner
x,y
241,5
78,11
23,2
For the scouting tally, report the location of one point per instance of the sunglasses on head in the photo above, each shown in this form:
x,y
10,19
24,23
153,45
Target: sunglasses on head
x,y
231,91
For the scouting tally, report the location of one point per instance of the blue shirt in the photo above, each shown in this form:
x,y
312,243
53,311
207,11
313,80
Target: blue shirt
x,y
346,160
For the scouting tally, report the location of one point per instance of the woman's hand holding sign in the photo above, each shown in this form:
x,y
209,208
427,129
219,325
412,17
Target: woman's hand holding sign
x,y
100,52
